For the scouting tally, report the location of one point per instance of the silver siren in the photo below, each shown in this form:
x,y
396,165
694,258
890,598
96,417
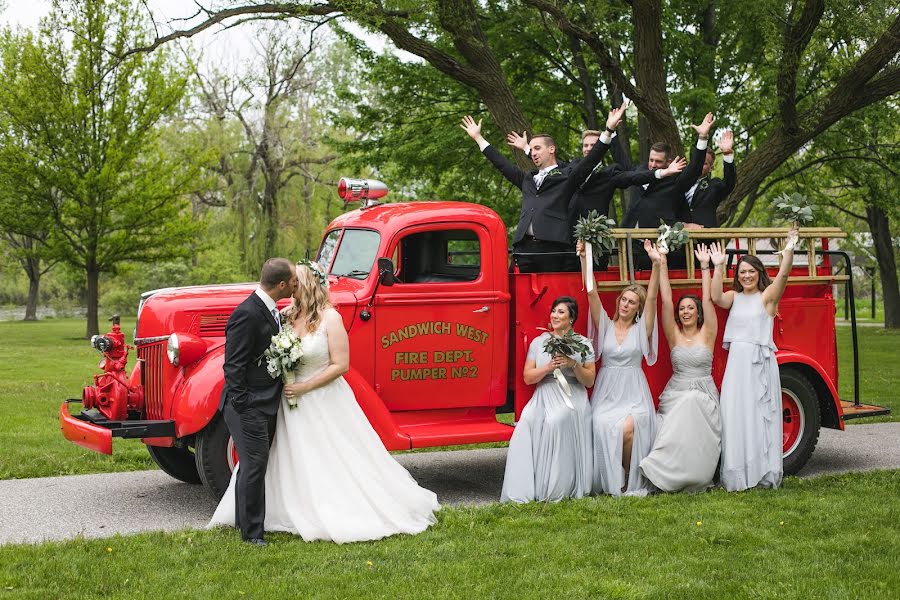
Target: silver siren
x,y
365,190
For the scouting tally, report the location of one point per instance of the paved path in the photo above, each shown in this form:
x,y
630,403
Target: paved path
x,y
59,508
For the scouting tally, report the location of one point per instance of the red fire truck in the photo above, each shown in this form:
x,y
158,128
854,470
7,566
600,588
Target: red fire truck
x,y
439,331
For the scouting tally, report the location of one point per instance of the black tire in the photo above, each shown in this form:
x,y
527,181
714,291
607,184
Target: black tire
x,y
212,457
798,386
176,462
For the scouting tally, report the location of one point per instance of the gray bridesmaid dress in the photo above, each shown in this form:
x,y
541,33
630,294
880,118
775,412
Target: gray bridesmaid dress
x,y
686,450
550,452
621,390
751,399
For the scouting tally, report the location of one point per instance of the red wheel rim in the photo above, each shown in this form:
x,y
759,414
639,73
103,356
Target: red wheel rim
x,y
231,455
793,421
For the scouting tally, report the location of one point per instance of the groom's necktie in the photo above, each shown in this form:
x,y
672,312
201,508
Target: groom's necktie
x,y
277,319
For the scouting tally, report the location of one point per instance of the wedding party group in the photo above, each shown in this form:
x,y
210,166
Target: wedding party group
x,y
566,445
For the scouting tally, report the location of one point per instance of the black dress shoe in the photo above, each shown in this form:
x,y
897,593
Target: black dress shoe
x,y
257,541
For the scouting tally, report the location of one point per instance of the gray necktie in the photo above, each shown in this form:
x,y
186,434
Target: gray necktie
x,y
277,318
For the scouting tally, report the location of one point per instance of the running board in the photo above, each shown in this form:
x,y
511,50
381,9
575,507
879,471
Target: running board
x,y
449,431
852,411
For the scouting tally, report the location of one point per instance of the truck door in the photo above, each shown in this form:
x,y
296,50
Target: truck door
x,y
435,327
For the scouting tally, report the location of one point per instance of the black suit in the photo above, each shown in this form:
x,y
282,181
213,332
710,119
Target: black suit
x,y
664,200
597,191
249,404
545,209
708,196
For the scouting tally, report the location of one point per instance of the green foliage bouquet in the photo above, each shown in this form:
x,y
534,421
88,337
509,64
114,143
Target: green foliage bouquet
x,y
595,231
671,238
796,210
568,344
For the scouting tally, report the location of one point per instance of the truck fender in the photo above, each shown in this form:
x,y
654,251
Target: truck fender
x,y
376,412
829,399
196,399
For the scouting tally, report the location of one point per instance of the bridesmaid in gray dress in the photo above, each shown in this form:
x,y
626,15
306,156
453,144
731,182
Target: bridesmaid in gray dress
x,y
549,455
623,416
686,450
751,387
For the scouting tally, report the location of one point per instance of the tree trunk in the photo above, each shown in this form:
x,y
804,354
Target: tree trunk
x,y
34,285
887,264
650,77
93,301
307,210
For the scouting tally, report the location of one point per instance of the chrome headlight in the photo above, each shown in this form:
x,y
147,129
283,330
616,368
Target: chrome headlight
x,y
172,350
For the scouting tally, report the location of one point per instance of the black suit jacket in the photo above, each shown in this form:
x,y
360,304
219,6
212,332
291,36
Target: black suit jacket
x,y
597,191
705,201
547,209
664,198
247,382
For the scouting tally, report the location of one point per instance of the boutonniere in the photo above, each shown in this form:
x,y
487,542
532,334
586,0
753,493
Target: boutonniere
x,y
554,171
704,183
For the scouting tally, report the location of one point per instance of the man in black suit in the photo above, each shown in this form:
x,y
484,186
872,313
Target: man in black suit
x,y
664,199
546,194
596,192
704,197
250,397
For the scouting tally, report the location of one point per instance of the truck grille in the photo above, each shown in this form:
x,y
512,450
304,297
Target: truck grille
x,y
153,355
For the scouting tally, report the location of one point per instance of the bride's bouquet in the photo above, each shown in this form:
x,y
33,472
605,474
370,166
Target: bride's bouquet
x,y
671,238
283,355
567,345
594,231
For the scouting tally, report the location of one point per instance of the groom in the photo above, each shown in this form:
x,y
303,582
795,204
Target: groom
x,y
250,397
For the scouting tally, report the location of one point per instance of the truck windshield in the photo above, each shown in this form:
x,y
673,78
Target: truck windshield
x,y
356,253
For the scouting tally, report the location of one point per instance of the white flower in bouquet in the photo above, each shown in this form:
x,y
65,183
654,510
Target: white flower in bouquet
x,y
284,354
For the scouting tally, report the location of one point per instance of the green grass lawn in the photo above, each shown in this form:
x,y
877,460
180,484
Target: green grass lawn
x,y
829,537
42,363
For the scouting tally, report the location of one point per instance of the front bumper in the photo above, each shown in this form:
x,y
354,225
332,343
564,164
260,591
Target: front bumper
x,y
93,431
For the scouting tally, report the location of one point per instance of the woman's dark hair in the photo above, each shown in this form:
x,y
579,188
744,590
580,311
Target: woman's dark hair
x,y
764,280
697,303
570,303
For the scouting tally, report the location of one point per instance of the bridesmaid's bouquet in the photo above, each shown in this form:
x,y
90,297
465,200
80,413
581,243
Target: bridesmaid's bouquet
x,y
566,345
283,355
671,238
796,210
595,231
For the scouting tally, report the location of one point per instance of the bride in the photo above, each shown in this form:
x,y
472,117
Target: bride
x,y
329,476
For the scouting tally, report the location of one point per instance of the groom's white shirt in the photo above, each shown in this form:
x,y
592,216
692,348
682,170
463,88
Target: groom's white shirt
x,y
267,299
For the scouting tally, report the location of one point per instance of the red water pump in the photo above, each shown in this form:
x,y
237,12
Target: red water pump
x,y
111,393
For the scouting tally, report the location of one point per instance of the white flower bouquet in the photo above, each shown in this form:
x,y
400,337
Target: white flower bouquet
x,y
796,210
283,355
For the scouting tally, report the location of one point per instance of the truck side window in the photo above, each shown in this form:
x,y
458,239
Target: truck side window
x,y
326,250
440,257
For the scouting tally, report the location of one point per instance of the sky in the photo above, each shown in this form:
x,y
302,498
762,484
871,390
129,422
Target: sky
x,y
219,47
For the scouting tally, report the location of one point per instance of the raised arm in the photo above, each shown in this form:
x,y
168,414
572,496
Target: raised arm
x,y
726,146
649,317
594,295
717,256
665,291
625,179
772,294
512,173
689,176
710,319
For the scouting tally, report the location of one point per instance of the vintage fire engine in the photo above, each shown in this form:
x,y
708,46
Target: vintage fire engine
x,y
439,331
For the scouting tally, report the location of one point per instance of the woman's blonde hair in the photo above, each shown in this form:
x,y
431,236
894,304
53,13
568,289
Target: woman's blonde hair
x,y
642,298
312,288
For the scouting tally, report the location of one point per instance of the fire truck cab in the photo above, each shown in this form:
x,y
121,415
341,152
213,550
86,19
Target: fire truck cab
x,y
439,330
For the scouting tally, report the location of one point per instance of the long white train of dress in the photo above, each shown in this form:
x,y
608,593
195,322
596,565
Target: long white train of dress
x,y
329,476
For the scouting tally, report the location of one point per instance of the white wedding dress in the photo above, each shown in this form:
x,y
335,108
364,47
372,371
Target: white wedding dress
x,y
329,476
